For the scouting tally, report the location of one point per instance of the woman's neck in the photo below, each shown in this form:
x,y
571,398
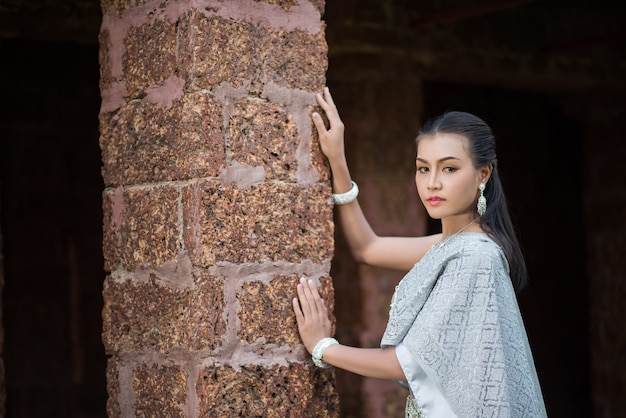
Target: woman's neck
x,y
451,226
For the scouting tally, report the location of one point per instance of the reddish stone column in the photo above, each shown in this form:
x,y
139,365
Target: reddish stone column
x,y
217,201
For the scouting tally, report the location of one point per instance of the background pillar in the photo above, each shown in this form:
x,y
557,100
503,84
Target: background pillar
x,y
216,202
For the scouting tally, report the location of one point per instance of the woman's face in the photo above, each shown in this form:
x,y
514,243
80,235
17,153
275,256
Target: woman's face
x,y
446,179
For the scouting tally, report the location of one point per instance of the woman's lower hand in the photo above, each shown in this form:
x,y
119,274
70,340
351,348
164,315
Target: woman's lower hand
x,y
311,314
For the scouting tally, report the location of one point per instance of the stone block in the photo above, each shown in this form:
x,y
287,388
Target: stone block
x,y
270,221
113,389
111,231
297,60
144,229
224,51
243,54
106,76
144,142
297,390
264,134
152,316
160,391
150,57
267,312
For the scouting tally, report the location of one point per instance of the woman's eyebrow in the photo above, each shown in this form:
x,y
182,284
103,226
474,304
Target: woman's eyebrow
x,y
439,161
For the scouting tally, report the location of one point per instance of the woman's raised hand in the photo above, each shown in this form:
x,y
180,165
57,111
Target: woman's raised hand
x,y
311,314
331,140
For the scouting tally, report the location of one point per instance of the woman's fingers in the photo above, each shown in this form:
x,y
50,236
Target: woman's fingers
x,y
328,97
298,310
326,102
319,124
305,302
320,308
311,314
310,304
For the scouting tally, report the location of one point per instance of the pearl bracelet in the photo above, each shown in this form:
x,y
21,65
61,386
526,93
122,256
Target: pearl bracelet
x,y
347,197
319,349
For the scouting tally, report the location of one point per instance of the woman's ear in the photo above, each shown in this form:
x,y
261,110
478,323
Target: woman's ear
x,y
484,173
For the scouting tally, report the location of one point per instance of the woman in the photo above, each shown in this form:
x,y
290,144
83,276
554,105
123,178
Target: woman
x,y
455,337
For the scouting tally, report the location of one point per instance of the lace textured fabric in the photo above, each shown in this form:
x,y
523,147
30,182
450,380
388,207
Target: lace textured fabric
x,y
457,314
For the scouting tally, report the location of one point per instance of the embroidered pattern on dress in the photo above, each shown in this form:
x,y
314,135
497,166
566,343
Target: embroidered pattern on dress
x,y
456,311
412,409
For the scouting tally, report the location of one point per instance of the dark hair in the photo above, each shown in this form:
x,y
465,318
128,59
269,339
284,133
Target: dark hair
x,y
496,221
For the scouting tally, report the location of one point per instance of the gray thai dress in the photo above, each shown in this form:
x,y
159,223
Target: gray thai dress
x,y
459,336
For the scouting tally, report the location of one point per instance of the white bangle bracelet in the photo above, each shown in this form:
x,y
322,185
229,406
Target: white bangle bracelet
x,y
347,197
319,349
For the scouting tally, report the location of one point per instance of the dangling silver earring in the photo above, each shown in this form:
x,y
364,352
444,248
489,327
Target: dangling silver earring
x,y
482,201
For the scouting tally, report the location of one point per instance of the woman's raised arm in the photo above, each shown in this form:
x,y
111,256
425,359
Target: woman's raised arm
x,y
367,247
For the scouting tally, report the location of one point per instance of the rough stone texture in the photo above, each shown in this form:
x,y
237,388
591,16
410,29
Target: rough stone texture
x,y
269,221
153,316
203,175
297,390
263,134
104,58
244,54
141,227
113,389
267,313
160,391
111,226
226,53
145,142
150,56
297,60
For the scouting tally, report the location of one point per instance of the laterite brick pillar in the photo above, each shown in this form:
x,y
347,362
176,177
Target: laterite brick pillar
x,y
217,201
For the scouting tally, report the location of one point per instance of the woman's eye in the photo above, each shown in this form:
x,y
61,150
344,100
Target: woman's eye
x,y
422,169
449,169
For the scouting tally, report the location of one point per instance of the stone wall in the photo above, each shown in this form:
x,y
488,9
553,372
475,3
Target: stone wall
x,y
216,203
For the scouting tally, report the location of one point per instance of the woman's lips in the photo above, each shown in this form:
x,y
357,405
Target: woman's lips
x,y
435,200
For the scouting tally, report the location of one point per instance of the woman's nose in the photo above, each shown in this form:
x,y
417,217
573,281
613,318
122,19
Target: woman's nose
x,y
433,181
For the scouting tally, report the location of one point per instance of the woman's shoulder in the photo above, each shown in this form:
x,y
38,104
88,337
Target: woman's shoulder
x,y
462,250
477,240
479,246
